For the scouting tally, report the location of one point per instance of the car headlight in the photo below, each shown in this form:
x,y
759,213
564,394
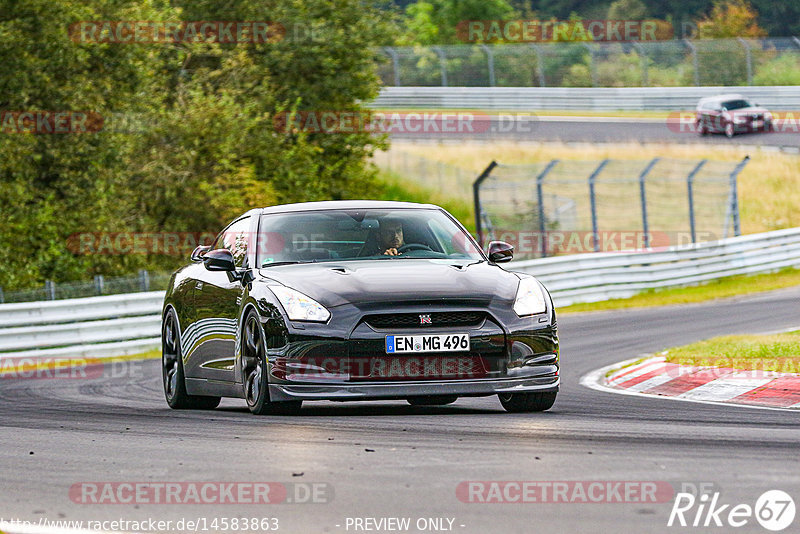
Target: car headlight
x,y
530,298
300,307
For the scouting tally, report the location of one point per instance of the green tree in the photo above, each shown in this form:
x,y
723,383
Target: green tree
x,y
198,144
54,185
730,18
430,22
627,10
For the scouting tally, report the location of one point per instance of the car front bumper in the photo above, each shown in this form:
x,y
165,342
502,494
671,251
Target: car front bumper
x,y
402,390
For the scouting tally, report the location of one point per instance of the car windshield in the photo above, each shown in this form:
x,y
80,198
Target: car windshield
x,y
730,105
341,235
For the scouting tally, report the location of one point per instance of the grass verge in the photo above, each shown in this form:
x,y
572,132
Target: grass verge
x,y
716,289
53,366
776,352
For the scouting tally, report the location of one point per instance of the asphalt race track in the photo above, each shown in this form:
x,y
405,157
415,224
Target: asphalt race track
x,y
599,130
388,459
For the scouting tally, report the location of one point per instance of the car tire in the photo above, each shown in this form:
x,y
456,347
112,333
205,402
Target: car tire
x,y
172,376
701,128
730,131
527,402
255,371
432,400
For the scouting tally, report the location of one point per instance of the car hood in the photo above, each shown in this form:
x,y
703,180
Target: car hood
x,y
397,280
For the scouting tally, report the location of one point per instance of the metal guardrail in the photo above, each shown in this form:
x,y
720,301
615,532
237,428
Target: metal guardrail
x,y
609,275
111,325
130,323
775,98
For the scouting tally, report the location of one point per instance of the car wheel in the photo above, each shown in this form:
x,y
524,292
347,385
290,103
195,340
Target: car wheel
x,y
432,400
527,402
729,130
172,370
255,372
701,128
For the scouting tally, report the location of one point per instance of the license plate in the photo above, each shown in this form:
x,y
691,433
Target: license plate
x,y
427,343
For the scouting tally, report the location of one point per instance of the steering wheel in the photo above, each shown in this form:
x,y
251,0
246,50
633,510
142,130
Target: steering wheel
x,y
413,246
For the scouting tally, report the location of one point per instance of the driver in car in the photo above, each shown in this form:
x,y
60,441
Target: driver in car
x,y
390,237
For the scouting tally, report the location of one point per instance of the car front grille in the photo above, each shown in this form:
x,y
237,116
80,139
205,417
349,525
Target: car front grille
x,y
414,320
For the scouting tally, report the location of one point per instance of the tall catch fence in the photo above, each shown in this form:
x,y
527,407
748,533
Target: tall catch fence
x,y
569,207
144,281
681,62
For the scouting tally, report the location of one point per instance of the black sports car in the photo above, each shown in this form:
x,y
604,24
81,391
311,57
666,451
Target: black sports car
x,y
355,300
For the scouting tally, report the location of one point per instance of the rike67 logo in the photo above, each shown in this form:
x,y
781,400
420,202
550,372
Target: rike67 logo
x,y
774,510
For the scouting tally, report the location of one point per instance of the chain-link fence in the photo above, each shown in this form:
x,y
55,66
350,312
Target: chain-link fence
x,y
100,285
567,207
771,61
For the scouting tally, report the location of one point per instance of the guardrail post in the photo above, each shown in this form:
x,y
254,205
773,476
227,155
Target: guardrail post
x,y
690,191
144,280
539,65
734,201
643,57
593,202
592,67
749,60
395,63
540,200
489,63
50,290
695,61
476,197
99,283
442,63
643,200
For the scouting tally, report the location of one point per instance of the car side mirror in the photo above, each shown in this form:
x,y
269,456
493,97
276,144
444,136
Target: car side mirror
x,y
197,253
500,252
219,260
